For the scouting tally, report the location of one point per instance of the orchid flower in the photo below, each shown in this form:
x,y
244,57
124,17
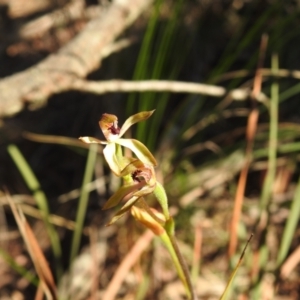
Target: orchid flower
x,y
137,172
113,134
139,181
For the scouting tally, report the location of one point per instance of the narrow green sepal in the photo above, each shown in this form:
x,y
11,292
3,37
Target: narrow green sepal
x,y
141,116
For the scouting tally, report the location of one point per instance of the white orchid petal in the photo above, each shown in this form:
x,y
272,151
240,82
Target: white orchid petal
x,y
109,153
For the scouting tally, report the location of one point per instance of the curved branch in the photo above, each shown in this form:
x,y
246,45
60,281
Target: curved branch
x,y
115,85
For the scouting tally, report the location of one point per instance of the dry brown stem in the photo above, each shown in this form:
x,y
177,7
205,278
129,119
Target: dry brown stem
x,y
127,263
250,136
42,268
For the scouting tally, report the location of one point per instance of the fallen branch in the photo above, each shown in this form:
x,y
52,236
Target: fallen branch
x,y
75,60
59,17
113,86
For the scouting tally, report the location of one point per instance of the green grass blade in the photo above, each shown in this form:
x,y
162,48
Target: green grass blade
x,y
162,41
290,227
232,276
142,64
282,149
143,288
166,44
19,269
83,201
232,52
292,91
271,172
41,200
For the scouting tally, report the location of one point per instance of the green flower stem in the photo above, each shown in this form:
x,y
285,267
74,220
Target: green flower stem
x,y
170,242
180,265
162,198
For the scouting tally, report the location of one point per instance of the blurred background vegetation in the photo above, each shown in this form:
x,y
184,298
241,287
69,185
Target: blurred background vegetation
x,y
198,140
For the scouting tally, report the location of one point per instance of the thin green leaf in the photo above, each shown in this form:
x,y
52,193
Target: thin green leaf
x,y
273,141
83,201
227,289
41,201
26,274
290,227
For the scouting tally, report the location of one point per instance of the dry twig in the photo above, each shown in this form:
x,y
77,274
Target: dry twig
x,y
127,263
250,135
41,265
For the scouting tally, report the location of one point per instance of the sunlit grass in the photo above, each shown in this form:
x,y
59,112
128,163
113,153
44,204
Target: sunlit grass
x,y
41,201
83,201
